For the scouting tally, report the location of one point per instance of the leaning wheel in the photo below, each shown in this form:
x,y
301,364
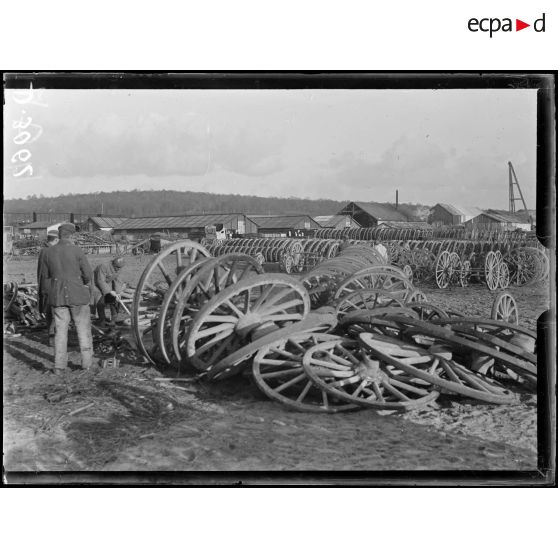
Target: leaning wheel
x,y
492,270
504,276
383,277
348,370
228,320
278,372
443,271
465,273
154,282
210,278
504,309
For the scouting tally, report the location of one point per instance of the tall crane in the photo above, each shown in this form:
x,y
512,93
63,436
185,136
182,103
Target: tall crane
x,y
513,197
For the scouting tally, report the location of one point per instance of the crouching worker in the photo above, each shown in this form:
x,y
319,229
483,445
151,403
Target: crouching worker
x,y
64,269
110,286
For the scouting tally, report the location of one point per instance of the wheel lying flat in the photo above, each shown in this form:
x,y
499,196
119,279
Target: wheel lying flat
x,y
347,370
278,372
228,320
153,284
233,363
436,368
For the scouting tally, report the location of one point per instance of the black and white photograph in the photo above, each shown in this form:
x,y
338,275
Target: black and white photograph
x,y
275,276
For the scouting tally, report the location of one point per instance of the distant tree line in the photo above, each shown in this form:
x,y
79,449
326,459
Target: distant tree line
x,y
140,203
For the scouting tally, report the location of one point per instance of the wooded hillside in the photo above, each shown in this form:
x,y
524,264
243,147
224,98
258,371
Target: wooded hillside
x,y
138,203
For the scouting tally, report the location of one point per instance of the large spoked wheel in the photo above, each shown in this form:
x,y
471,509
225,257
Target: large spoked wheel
x,y
504,276
230,318
492,270
154,282
443,270
365,299
348,371
278,372
504,309
209,279
436,368
165,327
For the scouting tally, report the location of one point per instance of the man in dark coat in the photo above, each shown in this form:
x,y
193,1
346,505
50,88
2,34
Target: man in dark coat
x,y
65,275
44,306
109,285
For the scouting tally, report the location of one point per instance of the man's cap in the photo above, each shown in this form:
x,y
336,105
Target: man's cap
x,y
67,228
52,234
118,262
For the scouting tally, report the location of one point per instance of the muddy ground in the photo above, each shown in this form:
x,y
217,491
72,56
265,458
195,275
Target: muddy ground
x,y
137,418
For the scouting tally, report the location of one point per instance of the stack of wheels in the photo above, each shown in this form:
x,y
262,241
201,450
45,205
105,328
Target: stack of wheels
x,y
378,344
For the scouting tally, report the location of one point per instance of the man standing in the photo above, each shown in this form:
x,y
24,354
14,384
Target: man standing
x,y
110,285
44,306
66,274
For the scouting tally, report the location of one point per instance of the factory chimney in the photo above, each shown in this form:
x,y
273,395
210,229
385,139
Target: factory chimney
x,y
396,199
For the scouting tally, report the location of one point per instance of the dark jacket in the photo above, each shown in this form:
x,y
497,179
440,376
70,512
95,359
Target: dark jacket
x,y
65,274
107,278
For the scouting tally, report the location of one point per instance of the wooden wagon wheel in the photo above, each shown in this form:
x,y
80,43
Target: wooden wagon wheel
x,y
207,280
365,299
164,326
154,282
436,368
492,270
504,276
443,270
227,321
278,372
384,277
348,371
522,365
465,273
504,309
426,311
233,363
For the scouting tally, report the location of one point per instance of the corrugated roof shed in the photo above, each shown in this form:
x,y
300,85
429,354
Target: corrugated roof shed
x,y
381,212
466,211
283,221
108,222
333,220
408,225
38,225
506,216
181,222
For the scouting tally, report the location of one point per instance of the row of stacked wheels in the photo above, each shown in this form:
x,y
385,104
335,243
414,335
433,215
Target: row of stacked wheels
x,y
343,337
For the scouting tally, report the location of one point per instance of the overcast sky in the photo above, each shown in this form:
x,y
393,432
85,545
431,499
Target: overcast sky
x,y
433,145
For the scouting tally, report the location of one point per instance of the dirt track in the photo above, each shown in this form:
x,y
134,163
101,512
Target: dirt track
x,y
133,421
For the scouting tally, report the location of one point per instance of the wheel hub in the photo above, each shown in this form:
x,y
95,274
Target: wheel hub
x,y
247,323
370,369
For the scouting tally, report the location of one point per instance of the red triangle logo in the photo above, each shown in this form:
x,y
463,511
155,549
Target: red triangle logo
x,y
519,25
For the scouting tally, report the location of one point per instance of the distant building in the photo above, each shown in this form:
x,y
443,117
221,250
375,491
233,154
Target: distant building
x,y
335,221
284,225
372,214
495,219
102,223
191,225
450,214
